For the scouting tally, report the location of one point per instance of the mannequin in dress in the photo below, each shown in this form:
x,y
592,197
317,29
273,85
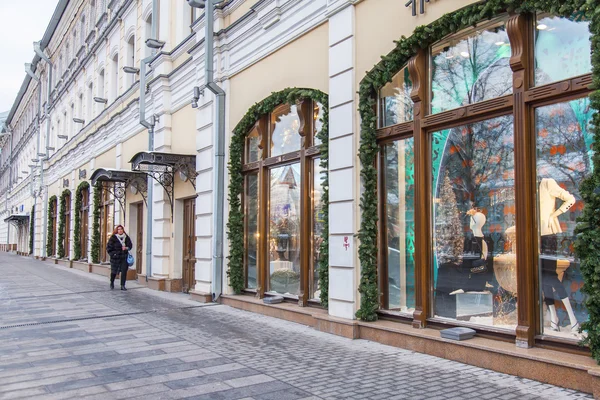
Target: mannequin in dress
x,y
552,287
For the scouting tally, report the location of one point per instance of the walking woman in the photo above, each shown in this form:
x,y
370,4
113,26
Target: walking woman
x,y
118,248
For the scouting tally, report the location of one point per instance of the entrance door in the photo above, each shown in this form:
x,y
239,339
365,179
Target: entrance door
x,y
139,238
189,244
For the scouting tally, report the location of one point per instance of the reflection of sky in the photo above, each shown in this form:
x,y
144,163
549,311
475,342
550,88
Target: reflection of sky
x,y
562,50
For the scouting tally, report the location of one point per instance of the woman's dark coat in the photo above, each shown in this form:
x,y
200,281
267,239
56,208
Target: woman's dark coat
x,y
118,256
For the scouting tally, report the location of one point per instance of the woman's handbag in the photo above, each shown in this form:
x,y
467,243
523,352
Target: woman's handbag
x,y
479,266
130,259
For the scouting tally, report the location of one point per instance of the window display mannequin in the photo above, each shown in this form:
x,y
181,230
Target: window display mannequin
x,y
552,287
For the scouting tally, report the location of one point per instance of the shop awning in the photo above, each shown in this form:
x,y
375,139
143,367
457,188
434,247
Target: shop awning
x,y
117,175
17,219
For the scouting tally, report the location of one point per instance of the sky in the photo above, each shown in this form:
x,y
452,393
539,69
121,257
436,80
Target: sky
x,y
21,23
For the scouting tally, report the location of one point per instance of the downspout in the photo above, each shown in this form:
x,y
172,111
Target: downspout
x,y
219,195
9,182
150,127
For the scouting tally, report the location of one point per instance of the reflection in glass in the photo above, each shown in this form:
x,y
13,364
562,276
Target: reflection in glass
x,y
395,104
562,49
564,158
471,69
399,194
317,226
318,117
473,219
285,137
284,230
253,152
252,235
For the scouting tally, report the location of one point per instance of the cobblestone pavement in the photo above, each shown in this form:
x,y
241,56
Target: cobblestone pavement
x,y
64,334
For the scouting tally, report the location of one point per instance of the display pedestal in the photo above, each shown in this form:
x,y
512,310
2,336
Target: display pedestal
x,y
473,304
280,266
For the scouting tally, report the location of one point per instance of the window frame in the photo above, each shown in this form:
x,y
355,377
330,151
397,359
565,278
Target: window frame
x,y
521,103
305,156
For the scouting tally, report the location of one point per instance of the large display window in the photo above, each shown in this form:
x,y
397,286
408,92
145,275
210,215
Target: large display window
x,y
282,202
491,126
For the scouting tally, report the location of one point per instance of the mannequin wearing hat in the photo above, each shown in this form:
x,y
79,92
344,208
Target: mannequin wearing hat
x,y
549,192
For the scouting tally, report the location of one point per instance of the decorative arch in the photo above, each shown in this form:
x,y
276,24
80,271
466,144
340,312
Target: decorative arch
x,y
147,12
235,224
589,226
129,33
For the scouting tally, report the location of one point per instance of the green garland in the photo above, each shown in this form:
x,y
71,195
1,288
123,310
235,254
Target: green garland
x,y
235,225
96,224
77,227
61,223
383,72
31,225
50,231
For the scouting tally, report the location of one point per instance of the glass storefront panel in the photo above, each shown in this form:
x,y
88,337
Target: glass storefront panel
x,y
395,104
318,123
252,235
471,68
285,137
253,152
284,230
564,158
400,213
562,48
474,259
317,226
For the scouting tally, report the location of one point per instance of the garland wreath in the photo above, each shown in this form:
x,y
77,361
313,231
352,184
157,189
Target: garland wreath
x,y
235,224
61,223
96,224
77,227
31,224
51,208
588,231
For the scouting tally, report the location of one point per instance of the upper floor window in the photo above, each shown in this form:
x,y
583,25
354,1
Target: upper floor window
x,y
114,82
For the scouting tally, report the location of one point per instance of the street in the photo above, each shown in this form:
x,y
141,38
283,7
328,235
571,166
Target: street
x,y
64,334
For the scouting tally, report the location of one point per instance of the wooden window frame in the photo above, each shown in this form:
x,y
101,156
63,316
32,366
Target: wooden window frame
x,y
523,101
305,156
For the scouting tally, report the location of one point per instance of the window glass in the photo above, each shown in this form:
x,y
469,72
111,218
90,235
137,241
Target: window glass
x,y
564,158
471,68
285,137
317,226
284,230
562,48
400,212
252,234
474,257
395,104
253,152
317,116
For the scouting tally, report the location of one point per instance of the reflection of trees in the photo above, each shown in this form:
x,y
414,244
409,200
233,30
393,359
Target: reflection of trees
x,y
457,80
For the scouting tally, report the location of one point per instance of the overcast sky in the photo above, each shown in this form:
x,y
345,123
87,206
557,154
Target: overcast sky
x,y
21,23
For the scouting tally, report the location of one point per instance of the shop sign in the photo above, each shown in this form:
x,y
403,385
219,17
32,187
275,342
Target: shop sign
x,y
413,4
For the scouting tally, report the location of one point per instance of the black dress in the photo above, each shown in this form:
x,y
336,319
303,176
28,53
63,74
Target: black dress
x,y
118,257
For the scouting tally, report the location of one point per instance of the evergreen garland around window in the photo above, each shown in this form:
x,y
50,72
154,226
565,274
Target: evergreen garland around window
x,y
235,224
588,242
50,231
96,223
62,222
31,225
77,228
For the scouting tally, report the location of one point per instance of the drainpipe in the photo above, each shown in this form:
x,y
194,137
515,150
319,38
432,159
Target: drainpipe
x,y
150,127
10,131
219,194
44,155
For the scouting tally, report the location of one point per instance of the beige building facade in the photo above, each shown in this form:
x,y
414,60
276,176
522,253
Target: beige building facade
x,y
367,177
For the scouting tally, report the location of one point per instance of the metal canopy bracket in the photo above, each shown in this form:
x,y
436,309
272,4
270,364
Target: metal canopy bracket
x,y
117,181
162,168
18,220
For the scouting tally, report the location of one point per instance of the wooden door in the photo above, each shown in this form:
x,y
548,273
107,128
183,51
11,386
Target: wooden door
x,y
189,244
83,233
139,238
67,241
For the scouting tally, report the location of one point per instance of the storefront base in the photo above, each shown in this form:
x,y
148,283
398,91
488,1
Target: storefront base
x,y
174,285
558,368
200,296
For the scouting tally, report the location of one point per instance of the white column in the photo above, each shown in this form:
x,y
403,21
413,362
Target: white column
x,y
343,164
204,189
119,220
91,212
71,249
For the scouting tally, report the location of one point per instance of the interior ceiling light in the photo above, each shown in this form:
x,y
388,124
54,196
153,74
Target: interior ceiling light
x,y
500,43
542,27
465,54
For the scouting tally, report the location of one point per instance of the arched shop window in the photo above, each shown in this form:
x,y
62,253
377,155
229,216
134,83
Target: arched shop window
x,y
474,109
282,202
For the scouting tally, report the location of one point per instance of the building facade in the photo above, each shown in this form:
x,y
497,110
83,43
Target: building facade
x,y
417,163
